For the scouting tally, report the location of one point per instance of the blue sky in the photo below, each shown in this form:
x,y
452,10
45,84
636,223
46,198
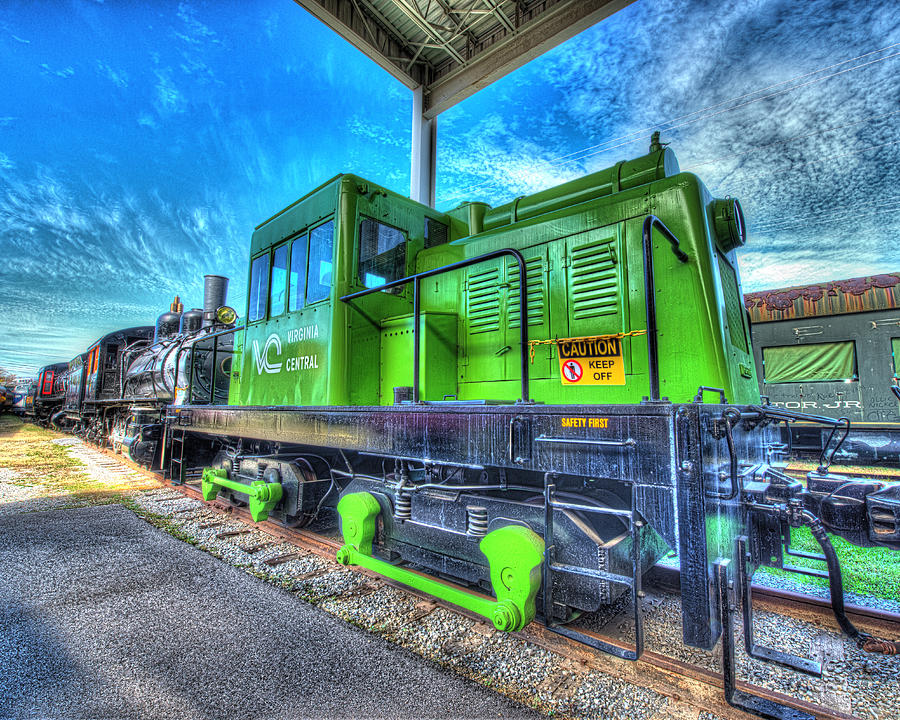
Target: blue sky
x,y
141,142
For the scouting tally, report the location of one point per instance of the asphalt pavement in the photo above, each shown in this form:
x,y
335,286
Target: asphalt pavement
x,y
105,616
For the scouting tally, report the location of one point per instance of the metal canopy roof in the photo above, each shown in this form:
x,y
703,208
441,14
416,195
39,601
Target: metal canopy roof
x,y
453,48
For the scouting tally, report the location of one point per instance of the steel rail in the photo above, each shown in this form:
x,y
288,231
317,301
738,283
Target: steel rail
x,y
779,600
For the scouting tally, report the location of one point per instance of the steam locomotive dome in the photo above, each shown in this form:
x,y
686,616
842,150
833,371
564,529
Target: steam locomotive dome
x,y
168,325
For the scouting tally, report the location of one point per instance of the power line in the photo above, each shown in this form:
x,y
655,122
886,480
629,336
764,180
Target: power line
x,y
836,217
644,131
786,141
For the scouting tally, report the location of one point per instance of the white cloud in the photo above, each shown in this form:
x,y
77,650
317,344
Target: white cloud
x,y
64,73
195,31
168,98
270,24
377,133
118,77
145,120
135,250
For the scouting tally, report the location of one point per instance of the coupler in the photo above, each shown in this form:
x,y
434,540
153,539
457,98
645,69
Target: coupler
x,y
514,556
262,496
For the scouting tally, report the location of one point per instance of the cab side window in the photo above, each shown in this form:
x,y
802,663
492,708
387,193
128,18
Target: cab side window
x,y
297,278
321,251
259,288
279,280
382,253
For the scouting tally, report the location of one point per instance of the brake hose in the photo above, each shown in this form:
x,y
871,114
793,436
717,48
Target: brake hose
x,y
863,640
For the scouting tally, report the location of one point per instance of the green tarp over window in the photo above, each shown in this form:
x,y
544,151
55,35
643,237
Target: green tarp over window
x,y
895,346
809,363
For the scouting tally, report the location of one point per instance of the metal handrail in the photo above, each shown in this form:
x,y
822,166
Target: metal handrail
x,y
418,277
190,375
650,222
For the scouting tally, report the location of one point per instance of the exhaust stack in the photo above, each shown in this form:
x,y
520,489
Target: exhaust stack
x,y
215,288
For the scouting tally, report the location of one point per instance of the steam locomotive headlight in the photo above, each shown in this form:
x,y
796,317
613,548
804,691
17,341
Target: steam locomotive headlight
x,y
729,224
226,315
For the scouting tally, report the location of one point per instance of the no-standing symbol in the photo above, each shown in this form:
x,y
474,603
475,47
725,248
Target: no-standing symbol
x,y
572,370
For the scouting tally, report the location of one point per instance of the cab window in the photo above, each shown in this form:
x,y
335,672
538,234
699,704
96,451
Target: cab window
x,y
382,253
297,278
321,250
259,287
279,280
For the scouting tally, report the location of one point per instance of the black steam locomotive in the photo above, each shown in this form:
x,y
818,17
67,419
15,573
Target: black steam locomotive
x,y
116,392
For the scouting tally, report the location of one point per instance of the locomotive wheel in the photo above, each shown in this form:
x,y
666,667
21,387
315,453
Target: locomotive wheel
x,y
296,521
236,500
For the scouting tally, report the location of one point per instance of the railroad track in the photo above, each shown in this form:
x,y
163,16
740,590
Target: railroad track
x,y
683,681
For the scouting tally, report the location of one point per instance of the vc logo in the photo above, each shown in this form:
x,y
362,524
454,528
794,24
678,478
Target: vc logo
x,y
262,358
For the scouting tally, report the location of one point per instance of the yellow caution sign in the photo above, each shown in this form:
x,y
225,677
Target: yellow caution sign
x,y
592,361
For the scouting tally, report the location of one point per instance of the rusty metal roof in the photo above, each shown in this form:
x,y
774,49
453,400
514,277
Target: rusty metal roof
x,y
838,297
455,47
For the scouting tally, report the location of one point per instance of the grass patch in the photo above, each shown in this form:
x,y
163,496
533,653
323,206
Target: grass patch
x,y
29,451
866,571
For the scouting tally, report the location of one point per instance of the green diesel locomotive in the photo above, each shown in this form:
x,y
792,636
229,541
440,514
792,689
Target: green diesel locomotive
x,y
535,401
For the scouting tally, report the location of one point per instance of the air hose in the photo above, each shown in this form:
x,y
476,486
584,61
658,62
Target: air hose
x,y
863,640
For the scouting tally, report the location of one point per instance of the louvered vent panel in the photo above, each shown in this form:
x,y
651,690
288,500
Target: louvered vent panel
x,y
734,308
483,301
594,280
534,272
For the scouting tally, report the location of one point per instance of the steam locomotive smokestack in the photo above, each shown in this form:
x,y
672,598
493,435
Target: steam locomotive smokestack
x,y
215,287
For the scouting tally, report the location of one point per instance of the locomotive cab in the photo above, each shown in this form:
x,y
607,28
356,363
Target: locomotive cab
x,y
302,345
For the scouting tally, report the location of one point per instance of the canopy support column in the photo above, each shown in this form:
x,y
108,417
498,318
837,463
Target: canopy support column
x,y
424,137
